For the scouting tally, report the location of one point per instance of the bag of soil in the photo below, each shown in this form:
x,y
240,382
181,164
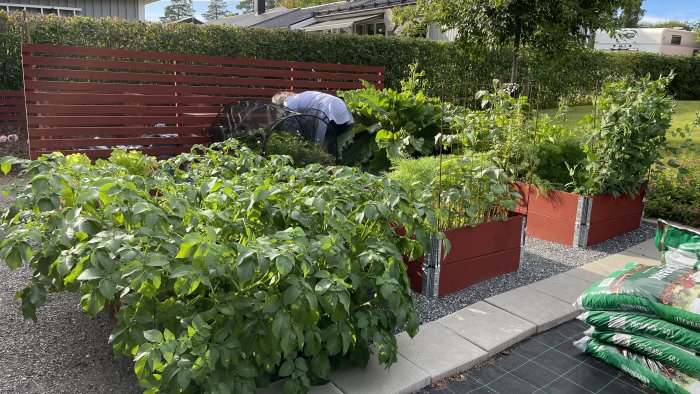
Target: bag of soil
x,y
679,245
644,325
663,352
665,292
648,371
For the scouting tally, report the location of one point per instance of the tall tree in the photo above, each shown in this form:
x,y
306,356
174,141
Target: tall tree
x,y
176,10
217,9
631,16
246,6
546,25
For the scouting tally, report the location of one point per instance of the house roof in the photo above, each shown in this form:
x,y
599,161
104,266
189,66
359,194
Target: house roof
x,y
251,19
362,5
297,15
282,17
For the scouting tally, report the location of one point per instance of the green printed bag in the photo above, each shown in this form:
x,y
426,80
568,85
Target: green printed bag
x,y
649,326
679,245
664,352
668,293
650,372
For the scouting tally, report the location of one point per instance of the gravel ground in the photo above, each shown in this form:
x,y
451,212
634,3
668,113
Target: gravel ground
x,y
67,351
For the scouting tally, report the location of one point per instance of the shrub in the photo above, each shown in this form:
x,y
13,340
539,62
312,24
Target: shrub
x,y
675,195
227,274
450,70
629,138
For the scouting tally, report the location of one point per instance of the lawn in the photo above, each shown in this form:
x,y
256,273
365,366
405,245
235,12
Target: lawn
x,y
684,115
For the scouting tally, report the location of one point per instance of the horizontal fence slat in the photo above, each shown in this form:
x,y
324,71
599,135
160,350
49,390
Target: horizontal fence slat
x,y
125,99
139,131
144,142
105,76
116,120
124,110
125,53
195,69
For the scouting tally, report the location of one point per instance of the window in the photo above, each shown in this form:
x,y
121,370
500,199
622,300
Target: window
x,y
380,29
42,9
675,40
370,28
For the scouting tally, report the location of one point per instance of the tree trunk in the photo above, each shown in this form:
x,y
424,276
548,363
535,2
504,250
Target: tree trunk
x,y
516,58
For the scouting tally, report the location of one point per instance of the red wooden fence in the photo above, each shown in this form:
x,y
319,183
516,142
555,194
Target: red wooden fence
x,y
91,99
12,109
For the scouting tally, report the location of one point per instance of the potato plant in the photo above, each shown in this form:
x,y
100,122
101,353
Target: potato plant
x,y
226,269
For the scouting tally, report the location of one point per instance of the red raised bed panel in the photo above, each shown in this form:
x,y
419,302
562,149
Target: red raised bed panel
x,y
477,254
554,217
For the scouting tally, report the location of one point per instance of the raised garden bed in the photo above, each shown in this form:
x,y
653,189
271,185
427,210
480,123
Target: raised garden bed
x,y
478,253
576,220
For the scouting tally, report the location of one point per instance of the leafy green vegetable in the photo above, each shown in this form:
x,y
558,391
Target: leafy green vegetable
x,y
227,273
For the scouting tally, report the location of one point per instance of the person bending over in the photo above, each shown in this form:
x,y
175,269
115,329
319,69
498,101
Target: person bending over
x,y
335,108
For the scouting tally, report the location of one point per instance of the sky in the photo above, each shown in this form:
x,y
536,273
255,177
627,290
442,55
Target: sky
x,y
656,10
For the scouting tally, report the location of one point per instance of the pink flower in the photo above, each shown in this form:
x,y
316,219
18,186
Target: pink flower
x,y
3,139
12,138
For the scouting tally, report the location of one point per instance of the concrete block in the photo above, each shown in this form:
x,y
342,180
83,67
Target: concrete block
x,y
488,327
563,287
646,249
439,351
276,388
402,377
534,306
608,265
588,276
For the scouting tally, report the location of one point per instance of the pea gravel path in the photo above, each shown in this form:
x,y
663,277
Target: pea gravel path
x,y
67,351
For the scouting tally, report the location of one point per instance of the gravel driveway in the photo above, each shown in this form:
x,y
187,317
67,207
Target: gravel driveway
x,y
67,351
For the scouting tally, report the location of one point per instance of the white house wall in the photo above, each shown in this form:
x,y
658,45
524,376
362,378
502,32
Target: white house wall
x,y
653,40
126,9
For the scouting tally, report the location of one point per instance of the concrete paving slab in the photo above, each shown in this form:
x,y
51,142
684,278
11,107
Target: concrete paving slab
x,y
534,306
402,377
608,265
588,276
646,249
563,287
439,351
276,388
488,327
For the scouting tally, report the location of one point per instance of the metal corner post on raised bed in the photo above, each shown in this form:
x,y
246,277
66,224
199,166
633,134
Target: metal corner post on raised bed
x,y
583,221
431,268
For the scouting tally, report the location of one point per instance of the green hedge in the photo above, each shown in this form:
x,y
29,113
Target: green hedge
x,y
445,64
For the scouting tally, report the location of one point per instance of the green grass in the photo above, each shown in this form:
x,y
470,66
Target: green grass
x,y
684,115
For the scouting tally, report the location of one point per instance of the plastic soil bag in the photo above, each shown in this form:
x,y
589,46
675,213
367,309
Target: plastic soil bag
x,y
679,245
648,371
665,292
663,352
648,326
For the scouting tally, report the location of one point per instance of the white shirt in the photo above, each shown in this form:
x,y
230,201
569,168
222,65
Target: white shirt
x,y
333,107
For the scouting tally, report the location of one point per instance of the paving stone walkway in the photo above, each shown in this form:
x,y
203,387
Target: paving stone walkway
x,y
474,335
545,363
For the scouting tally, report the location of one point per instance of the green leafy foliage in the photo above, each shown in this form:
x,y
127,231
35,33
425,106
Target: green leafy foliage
x,y
674,192
390,123
227,268
450,70
465,191
628,138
